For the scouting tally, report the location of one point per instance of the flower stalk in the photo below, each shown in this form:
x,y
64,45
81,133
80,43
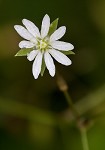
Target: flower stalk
x,y
64,88
84,138
79,121
69,101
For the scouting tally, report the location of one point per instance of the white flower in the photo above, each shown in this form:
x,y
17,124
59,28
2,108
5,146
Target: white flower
x,y
44,46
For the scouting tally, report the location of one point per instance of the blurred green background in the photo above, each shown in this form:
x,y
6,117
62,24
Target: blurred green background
x,y
34,113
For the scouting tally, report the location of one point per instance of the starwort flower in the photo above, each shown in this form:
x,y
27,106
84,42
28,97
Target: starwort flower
x,y
44,46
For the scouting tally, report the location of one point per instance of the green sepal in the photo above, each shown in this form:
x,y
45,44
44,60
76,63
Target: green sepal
x,y
43,67
24,51
53,26
68,52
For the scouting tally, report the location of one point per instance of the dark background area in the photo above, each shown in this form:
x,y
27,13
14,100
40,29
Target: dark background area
x,y
34,113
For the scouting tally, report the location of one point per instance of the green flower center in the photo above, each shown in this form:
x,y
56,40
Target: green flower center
x,y
42,44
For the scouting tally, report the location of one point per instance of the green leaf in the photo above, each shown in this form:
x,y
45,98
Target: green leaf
x,y
68,52
43,67
24,51
53,26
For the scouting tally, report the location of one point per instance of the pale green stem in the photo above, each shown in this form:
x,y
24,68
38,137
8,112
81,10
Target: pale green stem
x,y
76,115
64,88
84,138
69,101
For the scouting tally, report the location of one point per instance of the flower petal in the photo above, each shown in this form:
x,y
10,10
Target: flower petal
x,y
36,68
60,57
31,27
26,44
23,32
32,55
49,63
64,46
45,26
58,33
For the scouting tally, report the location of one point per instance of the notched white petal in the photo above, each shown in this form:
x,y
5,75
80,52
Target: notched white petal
x,y
36,68
49,63
32,55
60,57
23,32
58,33
31,27
62,45
26,44
45,26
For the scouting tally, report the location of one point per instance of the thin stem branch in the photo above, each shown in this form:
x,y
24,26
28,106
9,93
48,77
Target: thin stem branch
x,y
64,88
84,138
69,101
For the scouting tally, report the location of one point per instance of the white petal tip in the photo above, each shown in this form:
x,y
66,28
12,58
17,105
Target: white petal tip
x,y
52,74
35,77
64,28
15,27
72,47
68,63
46,15
24,20
29,58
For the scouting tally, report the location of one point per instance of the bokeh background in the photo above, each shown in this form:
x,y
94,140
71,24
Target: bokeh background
x,y
34,113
